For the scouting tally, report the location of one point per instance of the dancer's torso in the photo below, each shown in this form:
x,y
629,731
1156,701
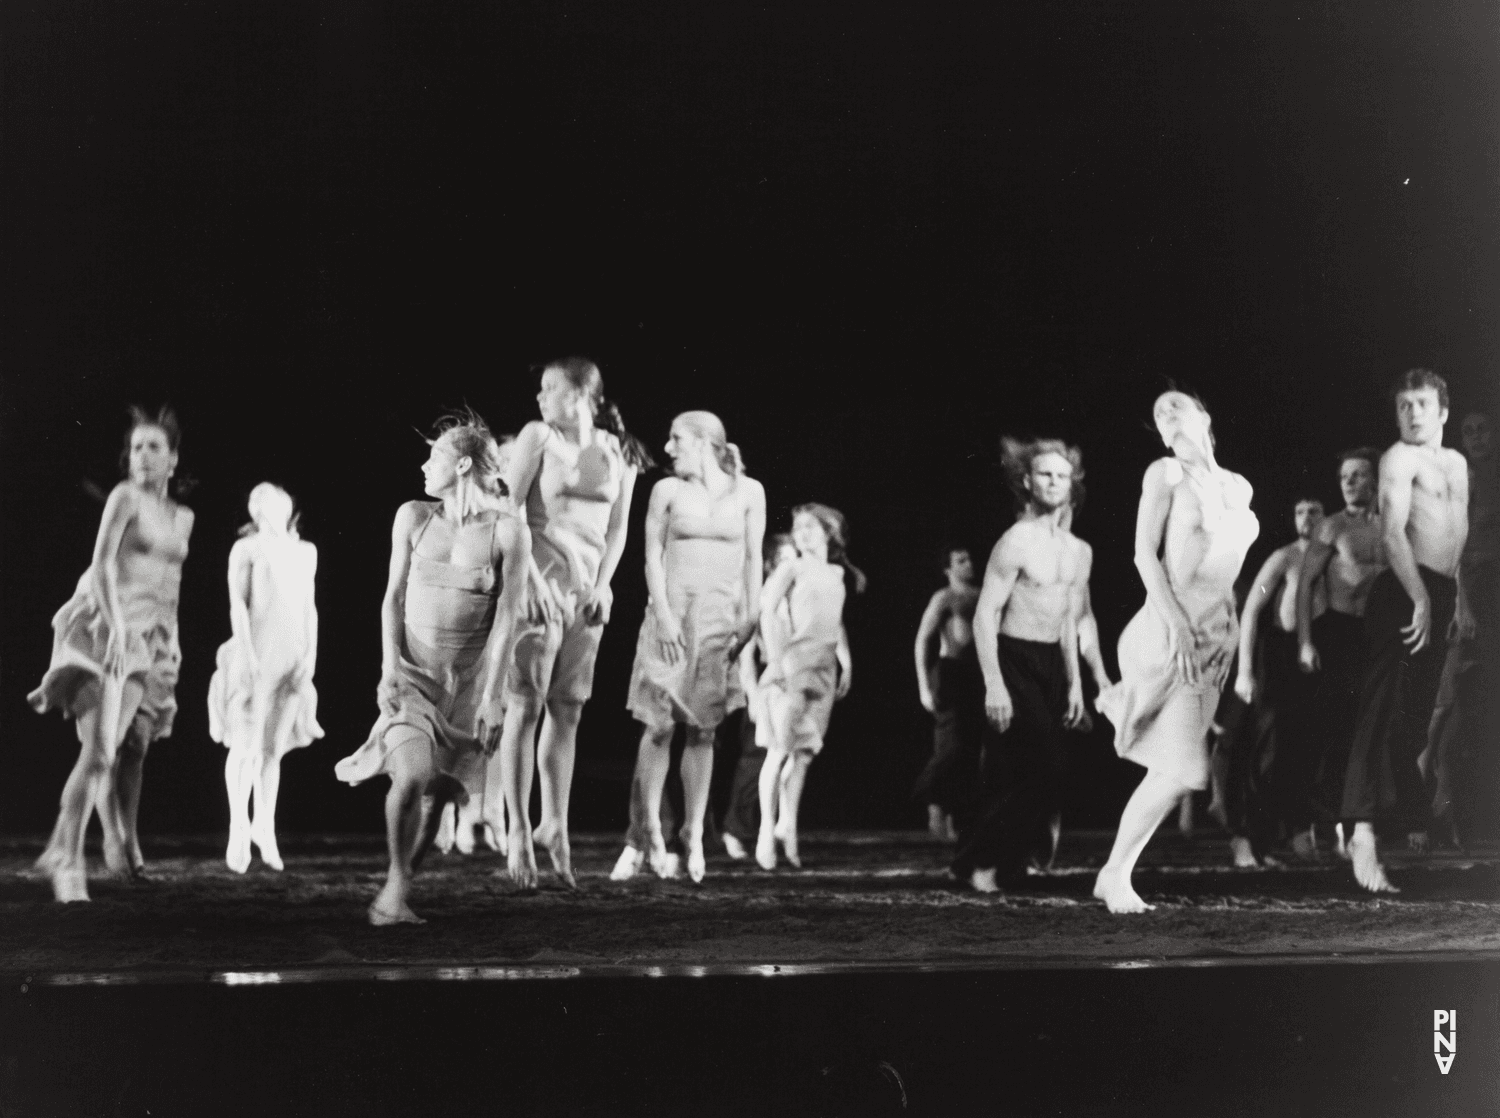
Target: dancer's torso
x,y
450,607
281,591
1435,524
1209,529
956,637
1051,559
705,544
1286,598
569,505
149,561
815,606
1358,556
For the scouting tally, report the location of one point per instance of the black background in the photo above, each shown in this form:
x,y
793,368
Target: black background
x,y
871,238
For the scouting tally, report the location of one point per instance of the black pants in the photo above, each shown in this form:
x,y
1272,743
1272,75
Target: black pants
x,y
742,816
1396,701
1285,717
1021,768
1340,641
950,778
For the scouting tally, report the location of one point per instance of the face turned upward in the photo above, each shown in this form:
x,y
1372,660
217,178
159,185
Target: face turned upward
x,y
557,399
1176,414
1357,482
1420,416
1476,435
272,511
686,451
443,468
960,565
152,459
1050,481
1307,516
809,535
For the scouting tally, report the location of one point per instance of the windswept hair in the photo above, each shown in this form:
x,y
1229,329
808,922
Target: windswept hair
x,y
256,504
164,419
706,425
1362,454
836,528
1016,456
1414,379
469,436
773,545
585,376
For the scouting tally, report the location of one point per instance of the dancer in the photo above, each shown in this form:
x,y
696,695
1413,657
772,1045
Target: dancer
x,y
809,668
448,628
704,529
1192,530
261,700
1345,555
574,473
951,689
1274,769
1424,502
115,657
742,818
1026,637
1460,721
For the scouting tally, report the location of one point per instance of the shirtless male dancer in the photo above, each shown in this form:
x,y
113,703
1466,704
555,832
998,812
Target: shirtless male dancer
x,y
951,689
1346,552
1026,637
1424,515
1268,680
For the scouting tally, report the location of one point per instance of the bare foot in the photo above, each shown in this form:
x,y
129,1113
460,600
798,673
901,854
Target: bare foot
x,y
446,832
494,839
1305,846
696,863
237,857
935,820
1185,815
384,918
765,850
69,884
950,830
1118,895
1243,855
1366,858
270,853
463,837
520,861
1216,812
1417,842
788,838
555,839
629,863
1340,847
735,848
983,881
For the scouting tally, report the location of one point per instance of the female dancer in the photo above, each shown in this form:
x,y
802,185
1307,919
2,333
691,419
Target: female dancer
x,y
261,701
742,818
703,570
1193,528
808,669
115,656
574,472
448,627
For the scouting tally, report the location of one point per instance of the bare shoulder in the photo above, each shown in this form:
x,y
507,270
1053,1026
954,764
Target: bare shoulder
x,y
755,492
1399,463
124,499
1164,473
531,437
242,550
412,513
941,600
1237,489
1453,461
1330,528
1082,549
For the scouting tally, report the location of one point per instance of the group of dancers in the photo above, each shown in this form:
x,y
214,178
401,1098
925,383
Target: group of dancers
x,y
499,591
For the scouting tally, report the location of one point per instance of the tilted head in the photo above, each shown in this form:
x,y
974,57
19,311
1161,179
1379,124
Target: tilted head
x,y
1477,433
572,384
1306,516
819,529
464,460
697,437
1179,414
1421,398
1359,476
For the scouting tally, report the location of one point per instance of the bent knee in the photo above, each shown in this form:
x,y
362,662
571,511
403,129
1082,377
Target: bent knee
x,y
566,712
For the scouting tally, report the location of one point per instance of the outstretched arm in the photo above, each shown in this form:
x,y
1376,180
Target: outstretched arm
x,y
999,580
1267,583
1314,566
932,617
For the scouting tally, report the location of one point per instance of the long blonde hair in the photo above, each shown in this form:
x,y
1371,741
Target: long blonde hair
x,y
706,425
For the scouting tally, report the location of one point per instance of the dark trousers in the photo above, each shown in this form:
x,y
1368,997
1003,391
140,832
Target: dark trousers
x,y
1285,719
949,779
1021,768
1396,701
1464,734
742,816
1340,641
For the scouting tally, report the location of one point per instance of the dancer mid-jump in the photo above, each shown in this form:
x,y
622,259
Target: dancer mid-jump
x,y
115,657
449,620
261,700
1192,530
1026,637
573,472
703,570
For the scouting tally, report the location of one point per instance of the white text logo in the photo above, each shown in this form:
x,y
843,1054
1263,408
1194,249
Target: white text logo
x,y
1440,1043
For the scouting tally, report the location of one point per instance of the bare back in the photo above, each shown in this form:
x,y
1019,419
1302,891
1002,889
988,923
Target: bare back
x,y
281,573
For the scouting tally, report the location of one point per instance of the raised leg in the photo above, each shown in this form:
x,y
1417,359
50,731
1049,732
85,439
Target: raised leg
x,y
697,778
1149,804
554,754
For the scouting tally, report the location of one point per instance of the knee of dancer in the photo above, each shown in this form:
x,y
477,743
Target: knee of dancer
x,y
699,737
565,711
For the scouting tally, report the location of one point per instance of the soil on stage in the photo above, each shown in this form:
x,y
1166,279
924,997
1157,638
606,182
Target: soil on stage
x,y
863,897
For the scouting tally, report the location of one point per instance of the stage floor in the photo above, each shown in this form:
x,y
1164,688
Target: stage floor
x,y
872,898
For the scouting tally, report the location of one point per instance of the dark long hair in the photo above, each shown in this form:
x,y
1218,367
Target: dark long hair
x,y
836,528
585,376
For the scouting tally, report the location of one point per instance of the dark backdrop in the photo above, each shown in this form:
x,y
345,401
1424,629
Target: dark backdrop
x,y
871,238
